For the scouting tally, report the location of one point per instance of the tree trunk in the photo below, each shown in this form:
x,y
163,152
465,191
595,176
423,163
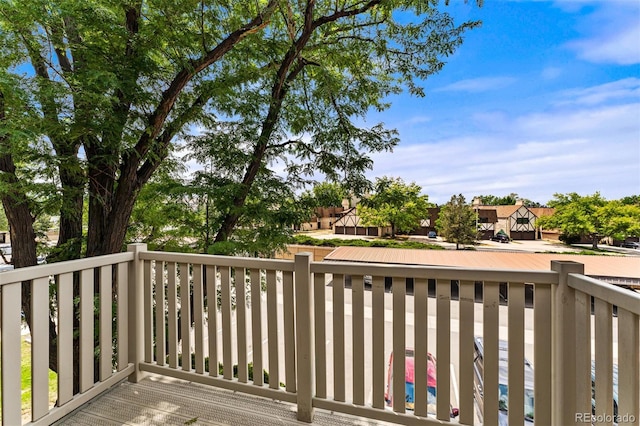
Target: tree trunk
x,y
23,237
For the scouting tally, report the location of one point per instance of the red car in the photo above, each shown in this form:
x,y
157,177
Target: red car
x,y
409,368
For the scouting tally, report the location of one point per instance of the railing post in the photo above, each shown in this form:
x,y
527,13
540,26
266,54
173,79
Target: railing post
x,y
304,336
136,311
563,392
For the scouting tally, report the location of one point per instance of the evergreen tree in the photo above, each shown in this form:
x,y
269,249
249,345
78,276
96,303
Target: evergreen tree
x,y
457,222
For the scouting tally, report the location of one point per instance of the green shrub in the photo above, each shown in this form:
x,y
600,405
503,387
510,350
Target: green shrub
x,y
337,242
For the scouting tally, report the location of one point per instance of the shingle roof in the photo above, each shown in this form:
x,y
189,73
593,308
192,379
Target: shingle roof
x,y
599,266
542,211
501,211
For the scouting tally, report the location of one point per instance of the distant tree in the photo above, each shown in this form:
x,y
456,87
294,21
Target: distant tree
x,y
619,220
631,199
592,216
394,204
507,200
328,194
167,213
457,222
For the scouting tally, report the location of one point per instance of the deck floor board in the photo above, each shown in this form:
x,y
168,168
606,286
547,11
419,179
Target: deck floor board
x,y
160,400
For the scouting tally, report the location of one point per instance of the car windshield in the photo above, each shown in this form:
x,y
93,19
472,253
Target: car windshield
x,y
528,401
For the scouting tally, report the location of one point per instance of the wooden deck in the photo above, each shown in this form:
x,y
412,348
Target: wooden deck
x,y
160,400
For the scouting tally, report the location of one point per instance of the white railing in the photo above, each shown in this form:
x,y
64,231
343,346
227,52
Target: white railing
x,y
595,334
324,332
93,282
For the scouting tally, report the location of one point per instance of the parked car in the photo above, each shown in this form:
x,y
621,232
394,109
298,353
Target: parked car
x,y
631,244
503,389
501,238
409,368
432,234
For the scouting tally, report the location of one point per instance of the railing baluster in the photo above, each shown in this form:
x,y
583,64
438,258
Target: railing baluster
x,y
225,287
123,316
338,338
241,323
11,343
398,289
421,331
172,314
86,329
39,348
516,353
148,313
198,318
304,336
272,329
583,352
106,318
357,300
491,306
443,347
136,328
377,330
212,319
628,366
542,354
465,369
289,331
160,335
256,326
185,316
563,348
604,359
319,296
65,338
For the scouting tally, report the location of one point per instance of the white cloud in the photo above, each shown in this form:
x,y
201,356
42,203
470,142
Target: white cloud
x,y
611,34
628,88
535,155
475,85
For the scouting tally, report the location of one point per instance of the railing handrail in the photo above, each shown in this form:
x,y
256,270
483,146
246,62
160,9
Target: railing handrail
x,y
610,293
436,272
217,260
40,271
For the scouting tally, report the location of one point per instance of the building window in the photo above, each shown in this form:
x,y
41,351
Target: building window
x,y
483,220
522,221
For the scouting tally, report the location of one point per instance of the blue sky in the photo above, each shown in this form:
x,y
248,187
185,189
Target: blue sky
x,y
543,98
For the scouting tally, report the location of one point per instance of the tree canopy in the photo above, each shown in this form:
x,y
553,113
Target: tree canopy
x,y
95,96
327,194
507,200
396,204
93,100
457,222
592,216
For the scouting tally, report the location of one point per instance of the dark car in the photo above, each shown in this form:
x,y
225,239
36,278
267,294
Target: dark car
x,y
631,244
501,238
503,389
432,234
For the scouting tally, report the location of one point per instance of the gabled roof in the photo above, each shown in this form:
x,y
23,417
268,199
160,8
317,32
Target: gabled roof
x,y
491,215
349,213
501,211
542,211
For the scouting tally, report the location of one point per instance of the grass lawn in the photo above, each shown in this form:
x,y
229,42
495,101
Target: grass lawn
x,y
25,374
